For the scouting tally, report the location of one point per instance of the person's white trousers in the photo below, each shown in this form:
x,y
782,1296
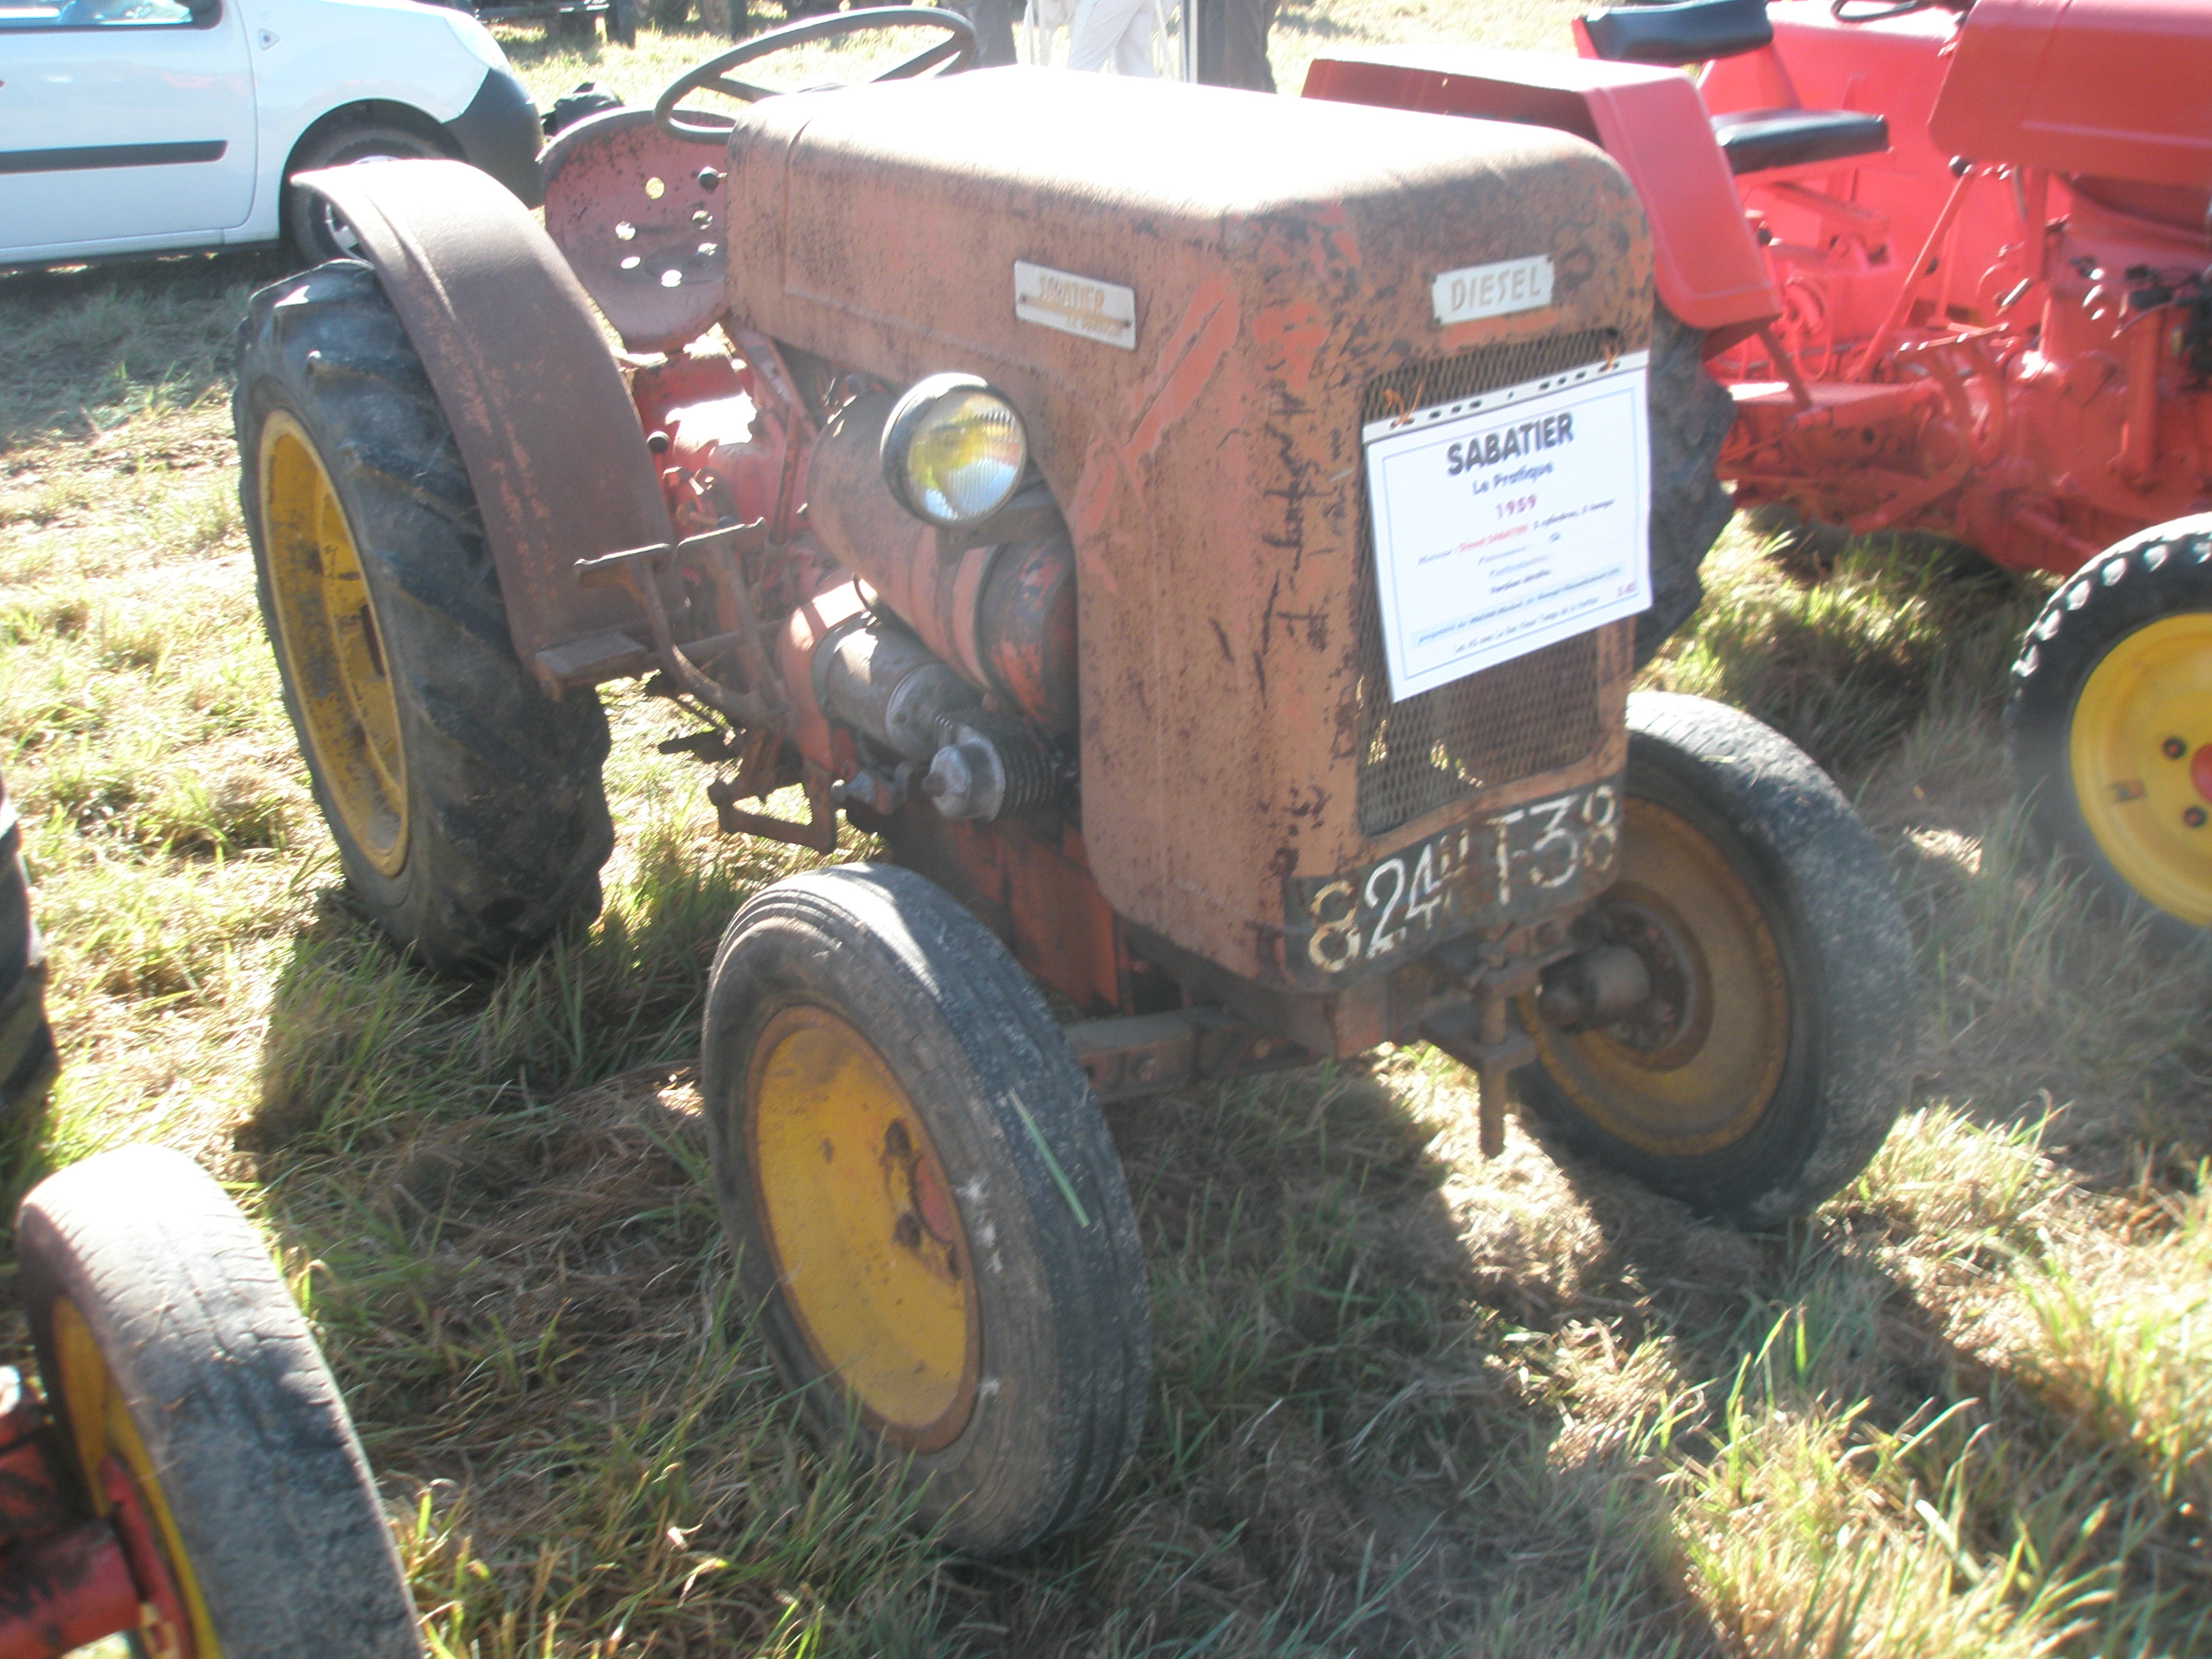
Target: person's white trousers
x,y
1119,29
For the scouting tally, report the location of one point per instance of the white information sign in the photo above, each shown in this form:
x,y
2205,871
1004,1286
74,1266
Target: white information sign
x,y
1507,522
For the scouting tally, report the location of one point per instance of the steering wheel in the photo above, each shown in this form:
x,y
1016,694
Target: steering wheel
x,y
956,52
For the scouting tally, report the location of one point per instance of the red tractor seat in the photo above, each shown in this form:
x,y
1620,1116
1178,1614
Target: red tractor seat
x,y
1756,139
1699,31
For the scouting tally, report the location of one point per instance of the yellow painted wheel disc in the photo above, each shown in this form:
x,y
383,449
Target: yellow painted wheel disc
x,y
866,1241
100,1427
1694,1073
332,649
2140,750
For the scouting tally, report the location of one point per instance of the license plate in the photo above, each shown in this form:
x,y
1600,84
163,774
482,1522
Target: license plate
x,y
1534,858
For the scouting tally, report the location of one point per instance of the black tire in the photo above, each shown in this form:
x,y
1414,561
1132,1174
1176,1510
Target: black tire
x,y
2141,610
506,824
159,1318
622,22
27,1060
1790,914
310,224
1046,1405
1691,414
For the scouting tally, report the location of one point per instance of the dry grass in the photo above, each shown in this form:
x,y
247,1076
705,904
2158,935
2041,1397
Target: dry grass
x,y
1407,1401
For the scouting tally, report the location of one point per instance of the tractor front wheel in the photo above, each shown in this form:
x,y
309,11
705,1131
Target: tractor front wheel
x,y
465,803
927,1210
1770,1058
199,1415
2109,730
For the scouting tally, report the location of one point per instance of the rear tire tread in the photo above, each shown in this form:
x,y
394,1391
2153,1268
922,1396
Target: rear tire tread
x,y
509,822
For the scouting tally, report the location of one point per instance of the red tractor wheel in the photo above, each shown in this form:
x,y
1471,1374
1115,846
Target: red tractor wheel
x,y
2110,726
200,1420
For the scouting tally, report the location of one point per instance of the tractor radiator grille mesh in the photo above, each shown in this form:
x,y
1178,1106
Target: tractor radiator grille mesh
x,y
1523,717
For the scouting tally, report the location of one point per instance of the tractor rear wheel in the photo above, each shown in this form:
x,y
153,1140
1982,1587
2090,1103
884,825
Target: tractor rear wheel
x,y
2109,730
465,803
1770,1058
1691,414
925,1206
198,1414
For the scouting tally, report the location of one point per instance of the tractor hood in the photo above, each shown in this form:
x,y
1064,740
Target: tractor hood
x,y
1191,294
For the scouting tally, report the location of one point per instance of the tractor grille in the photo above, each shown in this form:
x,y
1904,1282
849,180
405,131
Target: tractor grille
x,y
1529,715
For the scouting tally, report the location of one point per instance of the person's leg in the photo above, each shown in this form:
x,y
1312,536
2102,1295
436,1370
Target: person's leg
x,y
1133,53
1232,43
1098,27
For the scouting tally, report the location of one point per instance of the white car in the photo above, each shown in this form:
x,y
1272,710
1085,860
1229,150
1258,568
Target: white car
x,y
133,126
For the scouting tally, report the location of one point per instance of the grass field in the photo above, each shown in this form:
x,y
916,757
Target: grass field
x,y
1405,1402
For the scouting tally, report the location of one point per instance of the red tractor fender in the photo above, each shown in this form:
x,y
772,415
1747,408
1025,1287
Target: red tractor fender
x,y
546,429
1650,121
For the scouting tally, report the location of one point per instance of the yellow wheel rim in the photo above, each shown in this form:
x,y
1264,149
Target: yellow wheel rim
x,y
866,1240
331,647
100,1427
1696,1072
2140,750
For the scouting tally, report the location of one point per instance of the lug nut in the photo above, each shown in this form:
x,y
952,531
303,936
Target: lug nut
x,y
2193,816
2173,749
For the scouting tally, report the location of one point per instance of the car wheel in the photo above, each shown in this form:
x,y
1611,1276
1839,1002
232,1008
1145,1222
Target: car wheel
x,y
310,224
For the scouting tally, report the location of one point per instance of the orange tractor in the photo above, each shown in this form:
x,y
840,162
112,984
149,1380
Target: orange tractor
x,y
1955,268
1202,537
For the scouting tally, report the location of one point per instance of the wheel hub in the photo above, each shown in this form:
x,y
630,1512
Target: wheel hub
x,y
1668,1026
1692,1068
866,1238
2142,768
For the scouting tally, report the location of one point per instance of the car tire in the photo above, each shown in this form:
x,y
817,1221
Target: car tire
x,y
310,224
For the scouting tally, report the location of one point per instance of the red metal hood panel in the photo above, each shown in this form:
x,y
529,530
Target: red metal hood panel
x,y
2112,89
1280,254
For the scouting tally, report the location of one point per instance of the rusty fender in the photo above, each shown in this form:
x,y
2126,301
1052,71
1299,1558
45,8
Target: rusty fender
x,y
545,427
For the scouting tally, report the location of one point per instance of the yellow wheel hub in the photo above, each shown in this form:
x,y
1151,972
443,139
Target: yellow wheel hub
x,y
867,1243
101,1428
1693,1072
2140,750
332,649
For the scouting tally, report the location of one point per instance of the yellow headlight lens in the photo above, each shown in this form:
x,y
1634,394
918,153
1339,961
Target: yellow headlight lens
x,y
964,451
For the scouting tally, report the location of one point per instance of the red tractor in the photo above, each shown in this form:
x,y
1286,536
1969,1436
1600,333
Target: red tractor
x,y
182,1475
1954,267
1202,537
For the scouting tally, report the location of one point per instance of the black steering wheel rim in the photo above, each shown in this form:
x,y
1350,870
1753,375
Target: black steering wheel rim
x,y
956,52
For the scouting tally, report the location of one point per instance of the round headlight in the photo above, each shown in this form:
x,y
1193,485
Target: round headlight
x,y
954,450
